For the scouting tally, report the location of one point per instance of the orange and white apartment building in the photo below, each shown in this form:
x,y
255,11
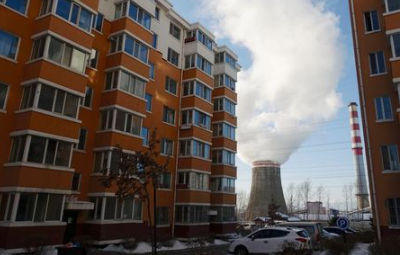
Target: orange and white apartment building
x,y
79,78
376,33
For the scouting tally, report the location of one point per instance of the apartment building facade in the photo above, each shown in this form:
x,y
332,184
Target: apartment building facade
x,y
81,77
376,33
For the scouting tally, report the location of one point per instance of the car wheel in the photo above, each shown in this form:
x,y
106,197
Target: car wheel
x,y
241,251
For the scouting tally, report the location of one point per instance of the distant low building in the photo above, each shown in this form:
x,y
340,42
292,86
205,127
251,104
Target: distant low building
x,y
315,208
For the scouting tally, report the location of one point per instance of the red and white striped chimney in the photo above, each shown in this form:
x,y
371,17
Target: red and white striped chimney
x,y
357,147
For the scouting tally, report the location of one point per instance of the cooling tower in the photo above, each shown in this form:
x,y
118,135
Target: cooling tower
x,y
265,186
356,145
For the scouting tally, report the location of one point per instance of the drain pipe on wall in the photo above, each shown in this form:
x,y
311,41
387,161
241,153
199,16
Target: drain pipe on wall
x,y
368,146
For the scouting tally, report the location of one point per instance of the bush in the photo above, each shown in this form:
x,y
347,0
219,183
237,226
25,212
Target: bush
x,y
36,244
388,246
169,243
337,246
292,248
129,244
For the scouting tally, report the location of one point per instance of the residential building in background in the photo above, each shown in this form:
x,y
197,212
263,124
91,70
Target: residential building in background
x,y
376,32
79,78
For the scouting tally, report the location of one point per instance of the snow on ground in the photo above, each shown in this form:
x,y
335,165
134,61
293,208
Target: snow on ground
x,y
360,249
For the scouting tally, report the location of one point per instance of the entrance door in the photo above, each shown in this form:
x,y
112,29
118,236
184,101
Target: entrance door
x,y
70,217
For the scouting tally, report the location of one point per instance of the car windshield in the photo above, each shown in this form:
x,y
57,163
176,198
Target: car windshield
x,y
302,233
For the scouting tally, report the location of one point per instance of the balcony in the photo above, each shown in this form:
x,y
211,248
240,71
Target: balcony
x,y
194,101
224,170
392,20
196,131
222,142
132,27
194,163
124,99
196,73
224,91
224,116
192,196
223,198
129,62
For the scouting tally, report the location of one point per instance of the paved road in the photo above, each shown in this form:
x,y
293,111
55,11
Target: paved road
x,y
211,250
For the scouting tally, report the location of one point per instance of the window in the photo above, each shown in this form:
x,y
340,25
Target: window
x,y
124,121
87,100
98,22
106,119
223,157
175,31
394,211
194,180
223,184
3,96
126,82
39,207
371,21
173,57
155,41
392,5
116,43
224,214
224,130
162,217
106,161
57,101
198,88
205,40
200,149
135,48
8,44
115,209
224,80
28,96
223,104
230,60
383,108
170,85
219,57
164,181
390,157
67,55
38,48
190,61
204,65
145,136
151,71
47,6
74,13
93,59
191,214
6,206
169,115
200,119
17,149
82,139
139,15
157,13
377,63
149,98
16,5
395,40
185,148
76,182
167,147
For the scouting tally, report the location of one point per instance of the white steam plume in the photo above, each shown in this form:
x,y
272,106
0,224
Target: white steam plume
x,y
296,66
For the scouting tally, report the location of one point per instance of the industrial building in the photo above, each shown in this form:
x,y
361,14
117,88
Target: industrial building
x,y
376,33
79,78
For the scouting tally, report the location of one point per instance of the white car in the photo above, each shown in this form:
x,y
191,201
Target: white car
x,y
271,240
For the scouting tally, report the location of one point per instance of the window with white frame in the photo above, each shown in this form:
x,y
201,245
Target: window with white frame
x,y
173,57
191,214
116,42
167,147
224,214
222,184
169,115
390,157
371,20
41,150
116,119
116,209
6,206
162,215
17,5
164,181
47,7
223,157
204,65
93,59
87,100
194,180
3,95
106,161
98,22
224,104
152,71
8,45
383,108
171,85
394,211
175,31
190,61
230,60
224,80
224,130
392,5
195,117
395,41
377,63
119,79
219,57
197,88
194,148
38,48
76,182
50,99
127,8
145,136
199,36
149,99
131,46
74,13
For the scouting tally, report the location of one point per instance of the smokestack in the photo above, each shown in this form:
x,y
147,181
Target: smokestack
x,y
265,185
356,145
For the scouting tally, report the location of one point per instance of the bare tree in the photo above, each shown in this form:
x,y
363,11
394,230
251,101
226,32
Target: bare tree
x,y
320,194
290,197
137,175
242,201
306,191
346,197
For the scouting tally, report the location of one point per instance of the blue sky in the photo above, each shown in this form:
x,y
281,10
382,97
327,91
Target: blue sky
x,y
325,158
